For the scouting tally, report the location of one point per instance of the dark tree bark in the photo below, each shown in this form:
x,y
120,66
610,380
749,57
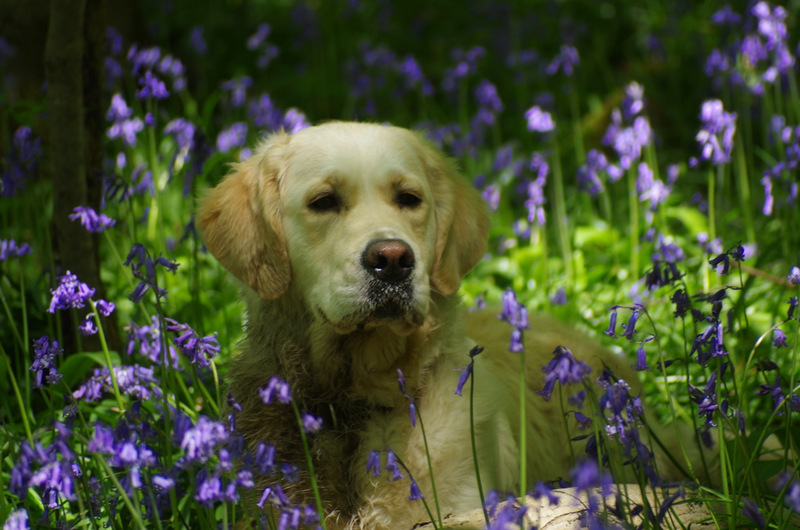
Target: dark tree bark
x,y
74,72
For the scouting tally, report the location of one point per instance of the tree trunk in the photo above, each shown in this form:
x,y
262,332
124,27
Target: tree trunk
x,y
75,248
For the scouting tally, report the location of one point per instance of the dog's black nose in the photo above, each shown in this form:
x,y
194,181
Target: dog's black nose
x,y
389,260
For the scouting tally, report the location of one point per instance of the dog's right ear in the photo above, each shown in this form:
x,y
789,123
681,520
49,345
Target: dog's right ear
x,y
240,221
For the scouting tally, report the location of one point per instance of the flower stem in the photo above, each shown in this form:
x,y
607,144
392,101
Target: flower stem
x,y
430,470
474,445
310,464
523,464
107,357
23,409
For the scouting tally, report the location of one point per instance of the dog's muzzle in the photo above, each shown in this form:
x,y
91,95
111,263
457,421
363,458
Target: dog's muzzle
x,y
390,264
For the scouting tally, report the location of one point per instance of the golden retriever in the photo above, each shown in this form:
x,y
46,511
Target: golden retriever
x,y
351,240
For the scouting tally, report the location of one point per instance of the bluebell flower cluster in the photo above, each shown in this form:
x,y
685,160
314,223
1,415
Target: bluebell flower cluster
x,y
715,135
629,131
91,220
144,269
276,390
564,369
199,350
258,42
539,120
49,469
10,249
516,314
45,352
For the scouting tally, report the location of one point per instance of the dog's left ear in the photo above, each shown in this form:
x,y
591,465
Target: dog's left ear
x,y
462,219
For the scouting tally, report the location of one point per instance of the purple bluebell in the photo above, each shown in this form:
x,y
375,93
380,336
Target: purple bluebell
x,y
539,120
151,87
17,520
119,110
792,496
466,64
467,372
238,90
492,196
136,381
566,61
143,59
514,312
774,391
393,466
374,463
198,41
542,490
312,424
201,441
559,297
726,16
146,340
91,220
794,275
10,249
793,303
45,351
716,134
583,420
183,132
779,338
564,369
232,137
127,130
589,173
276,389
144,269
641,361
633,101
88,326
705,399
70,293
256,39
199,350
415,493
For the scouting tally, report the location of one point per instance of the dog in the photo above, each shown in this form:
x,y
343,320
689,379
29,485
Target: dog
x,y
351,240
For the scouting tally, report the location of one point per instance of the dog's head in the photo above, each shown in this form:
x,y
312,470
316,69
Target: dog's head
x,y
360,221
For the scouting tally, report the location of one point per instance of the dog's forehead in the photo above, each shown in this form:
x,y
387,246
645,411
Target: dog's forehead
x,y
352,150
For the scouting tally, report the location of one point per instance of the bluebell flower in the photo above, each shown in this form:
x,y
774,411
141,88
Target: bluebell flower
x,y
183,132
232,137
199,350
374,463
583,420
238,89
17,520
45,352
589,173
136,381
794,275
487,97
144,59
10,249
70,293
146,340
612,323
514,312
200,442
119,109
705,399
633,101
312,424
779,338
542,490
91,220
641,361
792,496
467,372
255,40
793,303
265,458
564,369
151,87
393,466
539,120
566,61
276,389
559,297
716,134
726,16
198,41
144,268
415,494
87,326
127,130
492,196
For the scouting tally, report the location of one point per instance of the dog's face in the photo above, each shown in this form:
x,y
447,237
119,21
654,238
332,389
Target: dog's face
x,y
359,222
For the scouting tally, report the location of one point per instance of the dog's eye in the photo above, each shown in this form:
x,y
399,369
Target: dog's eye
x,y
326,202
407,199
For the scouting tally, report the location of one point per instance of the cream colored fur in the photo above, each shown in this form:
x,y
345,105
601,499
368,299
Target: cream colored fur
x,y
310,321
